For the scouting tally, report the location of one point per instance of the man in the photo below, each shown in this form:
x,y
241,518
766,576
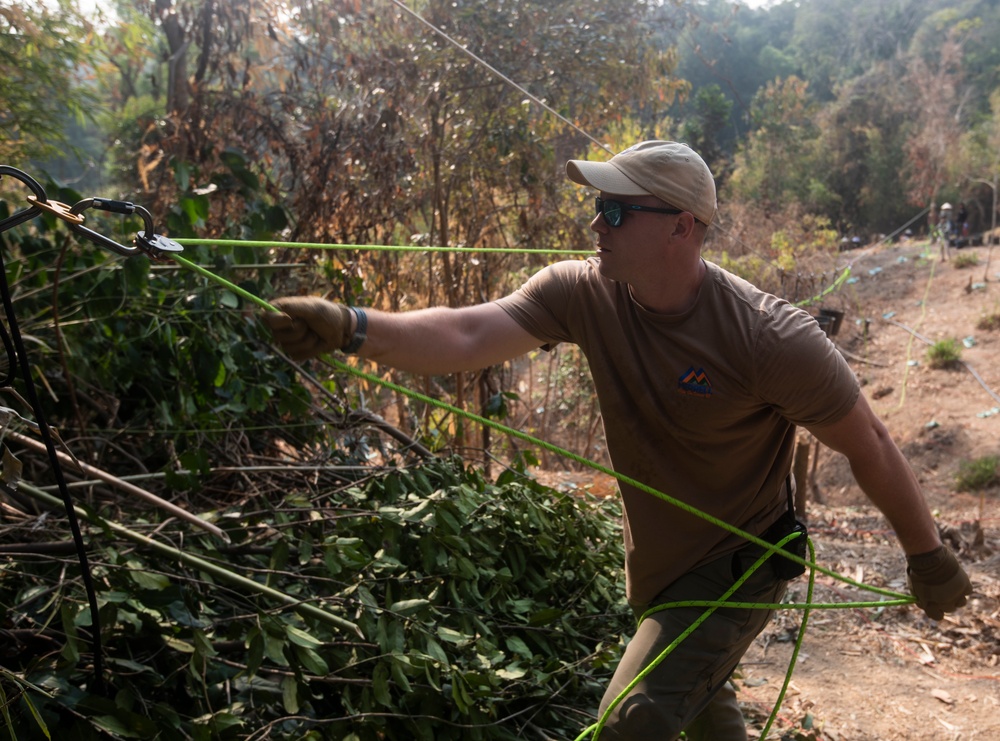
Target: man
x,y
702,379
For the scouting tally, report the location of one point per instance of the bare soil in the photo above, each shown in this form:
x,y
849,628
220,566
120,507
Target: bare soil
x,y
892,673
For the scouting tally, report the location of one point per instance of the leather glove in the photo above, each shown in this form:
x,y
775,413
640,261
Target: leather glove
x,y
938,582
309,326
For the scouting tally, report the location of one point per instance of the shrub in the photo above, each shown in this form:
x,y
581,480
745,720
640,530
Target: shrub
x,y
978,474
989,322
965,260
944,354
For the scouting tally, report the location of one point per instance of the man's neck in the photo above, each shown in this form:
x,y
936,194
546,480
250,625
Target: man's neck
x,y
673,293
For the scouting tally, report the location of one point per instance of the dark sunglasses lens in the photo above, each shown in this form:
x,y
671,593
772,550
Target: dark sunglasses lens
x,y
612,211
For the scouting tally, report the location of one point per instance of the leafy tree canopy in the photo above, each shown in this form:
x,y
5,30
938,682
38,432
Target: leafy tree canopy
x,y
43,77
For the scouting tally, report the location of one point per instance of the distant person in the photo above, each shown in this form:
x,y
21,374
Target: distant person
x,y
946,225
962,221
702,380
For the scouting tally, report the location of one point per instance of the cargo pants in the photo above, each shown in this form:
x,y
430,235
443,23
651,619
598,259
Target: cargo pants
x,y
689,691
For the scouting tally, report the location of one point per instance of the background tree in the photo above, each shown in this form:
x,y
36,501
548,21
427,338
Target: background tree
x,y
773,168
932,146
736,48
839,40
980,165
349,124
861,156
704,130
45,50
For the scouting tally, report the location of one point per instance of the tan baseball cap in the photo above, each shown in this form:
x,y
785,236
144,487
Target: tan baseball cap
x,y
671,171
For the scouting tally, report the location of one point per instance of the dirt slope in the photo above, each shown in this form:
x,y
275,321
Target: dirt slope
x,y
867,674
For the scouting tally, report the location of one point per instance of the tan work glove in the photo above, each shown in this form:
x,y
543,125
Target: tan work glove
x,y
309,326
938,581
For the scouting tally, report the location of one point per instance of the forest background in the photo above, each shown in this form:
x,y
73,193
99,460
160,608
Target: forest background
x,y
425,125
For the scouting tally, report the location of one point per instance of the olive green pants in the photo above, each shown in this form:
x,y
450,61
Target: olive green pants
x,y
689,691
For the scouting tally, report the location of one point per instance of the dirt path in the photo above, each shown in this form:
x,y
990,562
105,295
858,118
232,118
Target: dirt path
x,y
866,674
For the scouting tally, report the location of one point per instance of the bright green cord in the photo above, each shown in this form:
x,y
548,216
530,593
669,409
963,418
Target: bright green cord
x,y
906,599
548,446
798,646
458,250
379,247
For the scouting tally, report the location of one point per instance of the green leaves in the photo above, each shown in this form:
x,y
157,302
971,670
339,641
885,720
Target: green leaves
x,y
174,360
476,601
500,611
40,43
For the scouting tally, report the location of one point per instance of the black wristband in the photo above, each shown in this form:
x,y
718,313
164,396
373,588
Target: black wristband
x,y
360,331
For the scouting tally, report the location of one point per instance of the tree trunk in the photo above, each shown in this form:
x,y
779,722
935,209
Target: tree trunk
x,y
178,95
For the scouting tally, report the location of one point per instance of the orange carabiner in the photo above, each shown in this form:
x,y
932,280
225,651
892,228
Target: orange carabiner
x,y
57,208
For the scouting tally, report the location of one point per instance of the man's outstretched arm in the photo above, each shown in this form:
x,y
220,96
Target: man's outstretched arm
x,y
428,341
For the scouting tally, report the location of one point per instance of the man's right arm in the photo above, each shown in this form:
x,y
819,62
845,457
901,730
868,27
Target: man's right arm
x,y
427,341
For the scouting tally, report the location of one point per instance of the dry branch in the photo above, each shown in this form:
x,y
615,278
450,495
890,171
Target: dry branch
x,y
89,470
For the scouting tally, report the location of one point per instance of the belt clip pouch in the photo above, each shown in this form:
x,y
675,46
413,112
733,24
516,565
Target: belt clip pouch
x,y
783,567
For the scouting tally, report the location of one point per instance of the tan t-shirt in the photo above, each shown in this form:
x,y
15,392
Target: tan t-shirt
x,y
701,406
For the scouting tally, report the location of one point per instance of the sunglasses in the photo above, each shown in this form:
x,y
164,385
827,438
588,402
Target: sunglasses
x,y
614,211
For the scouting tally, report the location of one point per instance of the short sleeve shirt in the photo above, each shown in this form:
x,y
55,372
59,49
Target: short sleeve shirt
x,y
701,406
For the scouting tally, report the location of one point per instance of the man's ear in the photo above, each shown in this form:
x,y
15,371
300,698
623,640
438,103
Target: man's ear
x,y
685,225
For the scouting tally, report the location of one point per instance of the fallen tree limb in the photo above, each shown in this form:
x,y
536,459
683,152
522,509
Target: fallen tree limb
x,y
108,478
222,574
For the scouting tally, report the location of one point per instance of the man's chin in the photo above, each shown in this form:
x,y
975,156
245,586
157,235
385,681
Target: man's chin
x,y
604,265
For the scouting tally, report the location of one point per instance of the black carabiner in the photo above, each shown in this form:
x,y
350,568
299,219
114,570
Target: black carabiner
x,y
147,242
27,214
121,207
155,246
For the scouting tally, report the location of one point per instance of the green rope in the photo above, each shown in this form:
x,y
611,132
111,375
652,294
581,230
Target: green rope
x,y
836,285
379,247
253,298
798,645
550,447
770,549
417,396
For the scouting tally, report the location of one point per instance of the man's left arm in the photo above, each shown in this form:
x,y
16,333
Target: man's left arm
x,y
936,578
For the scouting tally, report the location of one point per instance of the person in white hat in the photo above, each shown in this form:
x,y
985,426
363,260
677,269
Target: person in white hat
x,y
947,229
702,380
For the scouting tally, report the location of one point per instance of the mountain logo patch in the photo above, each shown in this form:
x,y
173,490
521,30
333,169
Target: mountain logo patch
x,y
695,383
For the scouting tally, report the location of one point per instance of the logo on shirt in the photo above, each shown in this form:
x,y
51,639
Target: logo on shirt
x,y
695,383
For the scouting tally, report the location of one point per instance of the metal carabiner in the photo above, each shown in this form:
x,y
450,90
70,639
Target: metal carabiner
x,y
156,247
121,207
19,217
57,208
146,241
